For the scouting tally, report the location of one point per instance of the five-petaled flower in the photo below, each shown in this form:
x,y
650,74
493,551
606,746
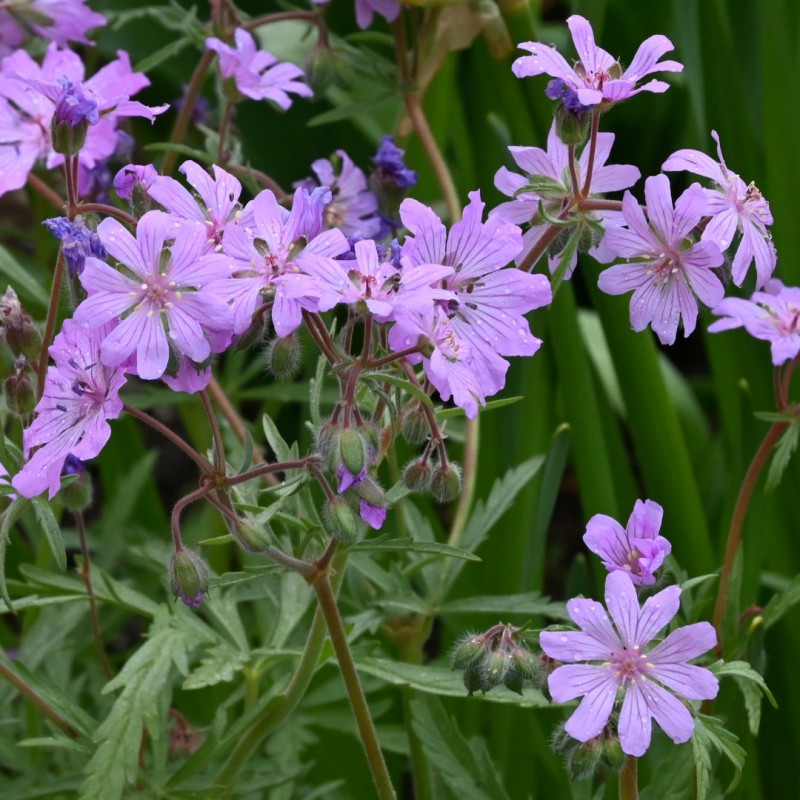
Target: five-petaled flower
x,y
637,549
605,660
734,206
598,77
666,276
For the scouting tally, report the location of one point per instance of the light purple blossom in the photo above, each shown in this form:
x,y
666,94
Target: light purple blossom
x,y
490,302
279,247
366,9
26,115
80,395
666,277
734,207
373,515
215,206
598,77
60,21
621,659
548,171
131,175
772,315
257,73
73,106
353,207
638,549
166,304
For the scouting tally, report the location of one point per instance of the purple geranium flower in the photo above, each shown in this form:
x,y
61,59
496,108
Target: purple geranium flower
x,y
257,73
167,303
73,106
390,169
131,175
548,171
666,277
60,21
352,207
77,242
279,248
772,315
638,549
598,77
650,677
733,206
216,205
80,395
490,302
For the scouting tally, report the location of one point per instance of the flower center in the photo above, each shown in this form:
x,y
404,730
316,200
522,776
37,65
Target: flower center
x,y
665,267
158,293
630,664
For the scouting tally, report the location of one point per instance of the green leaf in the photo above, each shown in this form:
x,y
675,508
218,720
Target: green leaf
x,y
442,681
141,681
492,405
412,546
52,531
742,670
9,517
21,278
451,756
163,54
247,452
783,452
219,665
780,603
526,603
366,106
282,450
400,383
565,258
181,149
709,733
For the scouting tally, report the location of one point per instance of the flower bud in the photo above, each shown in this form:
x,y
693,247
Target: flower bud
x,y
585,759
20,397
352,450
446,483
369,490
495,668
252,536
417,475
76,494
572,127
327,438
415,427
320,69
188,577
283,356
473,680
74,113
468,651
20,332
612,752
340,521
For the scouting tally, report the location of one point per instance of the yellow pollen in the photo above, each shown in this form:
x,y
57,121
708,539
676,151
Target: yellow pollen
x,y
150,313
177,295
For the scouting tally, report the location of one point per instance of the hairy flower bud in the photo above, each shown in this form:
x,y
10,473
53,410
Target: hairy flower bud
x,y
77,493
417,475
352,450
327,438
446,482
20,397
252,536
495,668
20,332
467,651
415,427
283,356
369,490
340,521
188,577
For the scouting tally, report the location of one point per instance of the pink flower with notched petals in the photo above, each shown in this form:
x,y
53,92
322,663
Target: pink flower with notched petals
x,y
548,171
734,207
80,396
490,302
257,73
167,304
606,659
598,77
637,549
772,315
666,277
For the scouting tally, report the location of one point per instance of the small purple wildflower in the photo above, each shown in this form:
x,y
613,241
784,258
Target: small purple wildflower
x,y
77,242
734,206
166,304
638,549
772,315
557,89
257,73
621,660
667,278
366,9
132,175
390,169
80,396
73,107
597,77
373,515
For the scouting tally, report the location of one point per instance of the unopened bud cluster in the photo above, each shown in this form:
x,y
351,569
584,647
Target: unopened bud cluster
x,y
498,656
586,759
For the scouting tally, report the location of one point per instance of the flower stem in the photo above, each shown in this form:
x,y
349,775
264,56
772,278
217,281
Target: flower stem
x,y
216,433
355,692
469,476
223,131
538,250
737,523
50,323
628,779
600,205
187,109
587,184
573,175
285,703
175,520
52,197
265,469
282,16
111,211
93,610
180,443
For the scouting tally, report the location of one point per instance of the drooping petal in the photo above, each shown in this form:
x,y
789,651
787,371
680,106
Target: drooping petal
x,y
635,727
